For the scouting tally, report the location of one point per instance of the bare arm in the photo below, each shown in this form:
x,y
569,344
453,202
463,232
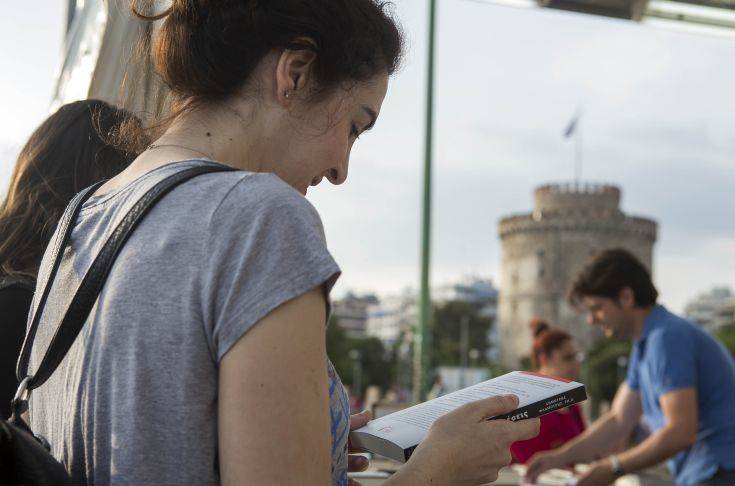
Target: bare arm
x,y
681,411
598,440
273,411
606,433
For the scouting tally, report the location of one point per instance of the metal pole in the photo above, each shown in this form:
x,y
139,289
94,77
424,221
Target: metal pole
x,y
358,379
464,348
578,154
422,338
356,373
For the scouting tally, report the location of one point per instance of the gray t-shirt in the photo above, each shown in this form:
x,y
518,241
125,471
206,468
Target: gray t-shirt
x,y
134,402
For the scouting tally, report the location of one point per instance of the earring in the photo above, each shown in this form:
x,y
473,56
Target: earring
x,y
287,94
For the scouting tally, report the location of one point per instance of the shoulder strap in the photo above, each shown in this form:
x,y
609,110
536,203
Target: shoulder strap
x,y
62,238
86,296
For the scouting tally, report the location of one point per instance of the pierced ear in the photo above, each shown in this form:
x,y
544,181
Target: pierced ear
x,y
294,71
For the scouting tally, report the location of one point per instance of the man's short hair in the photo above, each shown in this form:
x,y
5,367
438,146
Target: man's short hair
x,y
610,272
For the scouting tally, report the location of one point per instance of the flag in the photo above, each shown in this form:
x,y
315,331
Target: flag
x,y
572,126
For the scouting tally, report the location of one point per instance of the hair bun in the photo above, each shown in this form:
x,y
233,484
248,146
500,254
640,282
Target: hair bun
x,y
539,326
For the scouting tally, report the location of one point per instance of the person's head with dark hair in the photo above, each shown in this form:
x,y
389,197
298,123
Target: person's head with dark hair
x,y
72,149
553,351
617,292
208,50
280,86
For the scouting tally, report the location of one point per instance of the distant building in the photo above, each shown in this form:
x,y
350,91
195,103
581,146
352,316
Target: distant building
x,y
726,314
474,290
351,313
396,315
542,252
712,309
490,311
392,317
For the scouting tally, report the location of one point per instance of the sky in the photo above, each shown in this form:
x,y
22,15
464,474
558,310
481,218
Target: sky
x,y
658,119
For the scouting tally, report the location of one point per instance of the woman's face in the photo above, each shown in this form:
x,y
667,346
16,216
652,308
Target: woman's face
x,y
564,361
324,132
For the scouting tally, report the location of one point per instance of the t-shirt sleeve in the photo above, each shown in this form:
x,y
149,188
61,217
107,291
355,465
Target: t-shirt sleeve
x,y
266,246
675,364
631,378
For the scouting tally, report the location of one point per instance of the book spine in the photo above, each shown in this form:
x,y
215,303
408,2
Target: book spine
x,y
543,407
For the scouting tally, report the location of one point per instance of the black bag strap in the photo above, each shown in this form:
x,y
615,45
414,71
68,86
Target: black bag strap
x,y
86,296
62,238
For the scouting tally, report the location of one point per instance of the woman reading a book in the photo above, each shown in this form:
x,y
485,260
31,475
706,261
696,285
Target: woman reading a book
x,y
553,353
204,361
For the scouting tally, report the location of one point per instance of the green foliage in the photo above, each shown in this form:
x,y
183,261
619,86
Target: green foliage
x,y
526,364
377,364
446,332
338,347
381,366
726,334
601,372
497,369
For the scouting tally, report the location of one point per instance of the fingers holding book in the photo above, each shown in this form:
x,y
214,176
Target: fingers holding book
x,y
465,448
464,437
493,406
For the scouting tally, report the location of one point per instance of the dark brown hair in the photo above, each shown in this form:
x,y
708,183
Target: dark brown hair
x,y
72,149
546,340
610,272
207,49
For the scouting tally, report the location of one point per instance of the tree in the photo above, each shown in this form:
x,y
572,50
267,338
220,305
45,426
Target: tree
x,y
726,334
338,346
446,333
377,368
376,365
605,369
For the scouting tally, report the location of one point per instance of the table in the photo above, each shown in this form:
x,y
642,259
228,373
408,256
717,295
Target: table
x,y
381,469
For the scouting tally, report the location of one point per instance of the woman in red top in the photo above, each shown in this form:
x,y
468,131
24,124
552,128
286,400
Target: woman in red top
x,y
554,354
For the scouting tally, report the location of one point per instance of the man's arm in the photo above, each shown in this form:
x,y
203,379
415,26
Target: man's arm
x,y
681,412
680,409
598,440
605,434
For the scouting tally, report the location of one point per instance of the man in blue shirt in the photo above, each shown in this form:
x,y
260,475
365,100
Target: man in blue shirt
x,y
679,378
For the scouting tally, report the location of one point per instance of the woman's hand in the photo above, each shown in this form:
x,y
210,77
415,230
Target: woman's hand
x,y
464,448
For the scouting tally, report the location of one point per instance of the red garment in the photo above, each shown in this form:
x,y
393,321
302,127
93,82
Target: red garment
x,y
556,428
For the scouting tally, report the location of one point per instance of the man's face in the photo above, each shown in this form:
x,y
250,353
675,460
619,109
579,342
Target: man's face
x,y
610,315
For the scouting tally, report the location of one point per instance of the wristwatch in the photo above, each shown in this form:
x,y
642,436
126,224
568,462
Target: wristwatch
x,y
615,466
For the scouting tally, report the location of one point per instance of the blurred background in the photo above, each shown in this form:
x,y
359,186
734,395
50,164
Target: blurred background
x,y
560,129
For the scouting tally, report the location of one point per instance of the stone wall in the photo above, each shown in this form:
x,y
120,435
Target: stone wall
x,y
543,251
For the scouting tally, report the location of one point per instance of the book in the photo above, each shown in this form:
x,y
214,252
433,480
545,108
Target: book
x,y
396,435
